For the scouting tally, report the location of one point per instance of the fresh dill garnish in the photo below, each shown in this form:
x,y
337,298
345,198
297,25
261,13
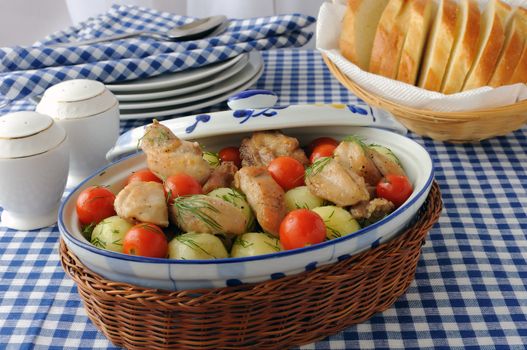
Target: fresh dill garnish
x,y
243,242
233,197
317,166
333,231
87,231
389,152
212,158
98,243
197,206
275,246
192,244
356,139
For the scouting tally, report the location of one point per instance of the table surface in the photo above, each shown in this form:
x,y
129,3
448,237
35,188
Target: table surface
x,y
470,288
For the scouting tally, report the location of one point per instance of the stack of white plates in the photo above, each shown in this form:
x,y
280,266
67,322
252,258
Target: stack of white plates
x,y
188,90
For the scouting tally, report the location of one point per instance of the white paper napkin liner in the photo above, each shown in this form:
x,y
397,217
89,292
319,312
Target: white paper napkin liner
x,y
328,32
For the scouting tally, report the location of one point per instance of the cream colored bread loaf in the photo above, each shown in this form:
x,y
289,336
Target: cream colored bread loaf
x,y
511,52
388,39
445,30
519,74
358,30
465,47
419,19
493,25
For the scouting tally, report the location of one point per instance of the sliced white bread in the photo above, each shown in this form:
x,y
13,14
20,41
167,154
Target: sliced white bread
x,y
493,25
464,49
419,21
445,30
383,43
519,74
511,52
358,30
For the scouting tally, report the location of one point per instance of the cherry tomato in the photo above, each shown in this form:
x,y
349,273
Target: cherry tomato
x,y
95,204
145,240
323,150
181,185
321,141
300,228
144,175
231,154
395,188
287,172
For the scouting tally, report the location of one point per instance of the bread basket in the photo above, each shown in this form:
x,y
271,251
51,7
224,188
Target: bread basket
x,y
467,126
275,314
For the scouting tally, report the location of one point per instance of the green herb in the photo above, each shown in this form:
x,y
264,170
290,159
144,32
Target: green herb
x,y
233,197
197,206
87,231
275,246
212,158
318,166
356,139
192,244
98,243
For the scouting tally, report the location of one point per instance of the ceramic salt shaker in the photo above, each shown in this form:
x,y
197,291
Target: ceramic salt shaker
x,y
34,158
89,113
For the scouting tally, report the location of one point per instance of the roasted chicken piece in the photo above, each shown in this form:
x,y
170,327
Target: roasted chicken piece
x,y
354,155
262,147
222,176
142,202
204,214
369,212
385,164
264,195
167,155
332,181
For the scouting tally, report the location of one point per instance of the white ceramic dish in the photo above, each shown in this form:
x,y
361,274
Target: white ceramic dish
x,y
247,73
171,80
172,110
187,88
189,274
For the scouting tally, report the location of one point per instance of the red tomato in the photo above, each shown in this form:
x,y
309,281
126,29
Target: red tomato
x,y
231,154
395,188
323,150
300,228
144,175
287,172
95,204
181,185
322,141
145,240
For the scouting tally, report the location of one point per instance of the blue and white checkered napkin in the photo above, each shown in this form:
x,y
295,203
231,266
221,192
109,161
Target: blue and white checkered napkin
x,y
29,71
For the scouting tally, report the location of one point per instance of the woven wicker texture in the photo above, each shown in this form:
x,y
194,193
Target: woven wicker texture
x,y
276,314
444,126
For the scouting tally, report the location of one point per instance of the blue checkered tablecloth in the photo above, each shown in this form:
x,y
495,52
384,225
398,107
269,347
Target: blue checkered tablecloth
x,y
470,289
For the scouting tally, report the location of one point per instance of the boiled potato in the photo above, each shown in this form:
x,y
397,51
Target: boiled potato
x,y
109,233
339,222
255,243
238,200
301,197
386,152
212,158
196,246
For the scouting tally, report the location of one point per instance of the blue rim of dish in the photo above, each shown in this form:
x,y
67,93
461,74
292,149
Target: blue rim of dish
x,y
121,256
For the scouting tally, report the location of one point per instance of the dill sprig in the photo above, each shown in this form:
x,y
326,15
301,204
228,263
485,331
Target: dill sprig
x,y
356,139
197,206
388,151
242,242
318,166
212,158
192,244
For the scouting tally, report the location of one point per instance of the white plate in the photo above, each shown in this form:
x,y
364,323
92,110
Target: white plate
x,y
173,79
249,71
187,88
163,112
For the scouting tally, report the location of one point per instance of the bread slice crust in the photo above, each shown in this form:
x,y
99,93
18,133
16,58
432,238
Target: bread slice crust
x,y
445,29
464,49
490,44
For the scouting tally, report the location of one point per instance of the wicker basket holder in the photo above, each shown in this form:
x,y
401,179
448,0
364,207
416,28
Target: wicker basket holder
x,y
456,127
275,314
